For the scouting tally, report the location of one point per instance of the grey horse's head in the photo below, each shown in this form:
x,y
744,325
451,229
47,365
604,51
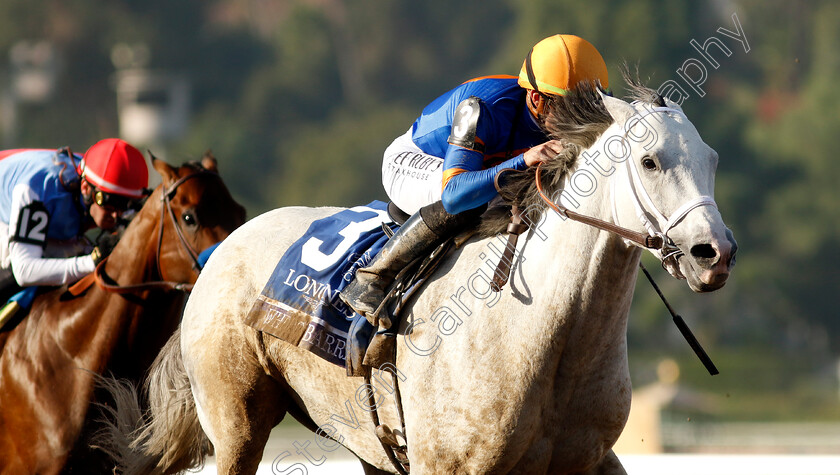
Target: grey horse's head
x,y
664,184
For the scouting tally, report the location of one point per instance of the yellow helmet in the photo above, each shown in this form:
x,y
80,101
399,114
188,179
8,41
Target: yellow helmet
x,y
556,64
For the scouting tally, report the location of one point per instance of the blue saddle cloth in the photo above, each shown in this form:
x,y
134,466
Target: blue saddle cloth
x,y
300,302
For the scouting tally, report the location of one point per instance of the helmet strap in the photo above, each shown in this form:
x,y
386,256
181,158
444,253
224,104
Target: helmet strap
x,y
529,70
84,203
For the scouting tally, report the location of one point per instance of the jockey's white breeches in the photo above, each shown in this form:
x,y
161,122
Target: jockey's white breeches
x,y
412,178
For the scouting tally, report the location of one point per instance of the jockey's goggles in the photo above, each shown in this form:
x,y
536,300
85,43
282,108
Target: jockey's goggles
x,y
112,201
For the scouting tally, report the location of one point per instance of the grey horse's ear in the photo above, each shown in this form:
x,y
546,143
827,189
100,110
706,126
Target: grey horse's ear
x,y
620,111
672,104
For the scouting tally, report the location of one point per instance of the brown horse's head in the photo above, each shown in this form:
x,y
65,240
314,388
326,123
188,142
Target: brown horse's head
x,y
190,211
198,212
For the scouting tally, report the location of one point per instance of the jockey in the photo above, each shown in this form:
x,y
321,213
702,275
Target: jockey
x,y
442,170
50,198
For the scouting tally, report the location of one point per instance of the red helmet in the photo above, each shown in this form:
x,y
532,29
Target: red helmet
x,y
114,166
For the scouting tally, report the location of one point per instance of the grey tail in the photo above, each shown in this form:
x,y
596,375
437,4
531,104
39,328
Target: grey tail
x,y
168,437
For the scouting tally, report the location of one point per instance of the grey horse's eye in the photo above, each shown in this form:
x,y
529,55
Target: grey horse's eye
x,y
189,219
649,163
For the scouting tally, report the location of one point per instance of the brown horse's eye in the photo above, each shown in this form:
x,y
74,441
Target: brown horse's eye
x,y
189,219
649,163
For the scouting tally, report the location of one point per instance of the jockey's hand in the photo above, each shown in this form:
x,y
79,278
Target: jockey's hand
x,y
543,152
104,245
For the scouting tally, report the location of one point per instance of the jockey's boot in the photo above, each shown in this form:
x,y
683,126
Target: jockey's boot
x,y
421,232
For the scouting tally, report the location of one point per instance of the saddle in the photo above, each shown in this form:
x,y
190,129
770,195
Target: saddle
x,y
300,302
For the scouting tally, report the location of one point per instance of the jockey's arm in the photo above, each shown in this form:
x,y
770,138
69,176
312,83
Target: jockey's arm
x,y
27,240
466,184
29,267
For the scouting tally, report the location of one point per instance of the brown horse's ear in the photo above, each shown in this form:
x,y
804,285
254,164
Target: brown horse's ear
x,y
168,174
208,161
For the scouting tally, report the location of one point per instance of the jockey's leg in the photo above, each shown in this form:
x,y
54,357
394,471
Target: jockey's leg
x,y
424,230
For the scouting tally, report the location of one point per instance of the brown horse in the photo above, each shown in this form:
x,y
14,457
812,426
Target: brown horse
x,y
50,360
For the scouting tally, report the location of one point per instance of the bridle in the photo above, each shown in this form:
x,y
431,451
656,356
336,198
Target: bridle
x,y
166,199
105,283
656,240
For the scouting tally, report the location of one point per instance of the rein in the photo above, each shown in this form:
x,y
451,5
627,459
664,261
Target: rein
x,y
645,240
102,281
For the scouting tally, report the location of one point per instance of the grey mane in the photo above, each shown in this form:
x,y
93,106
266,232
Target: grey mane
x,y
636,91
577,119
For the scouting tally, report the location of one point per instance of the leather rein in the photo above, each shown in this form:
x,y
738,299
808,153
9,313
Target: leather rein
x,y
104,282
656,240
644,240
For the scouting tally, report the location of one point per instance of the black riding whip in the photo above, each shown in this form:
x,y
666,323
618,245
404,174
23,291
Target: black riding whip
x,y
686,332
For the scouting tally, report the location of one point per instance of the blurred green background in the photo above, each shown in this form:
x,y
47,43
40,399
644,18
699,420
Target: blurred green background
x,y
298,99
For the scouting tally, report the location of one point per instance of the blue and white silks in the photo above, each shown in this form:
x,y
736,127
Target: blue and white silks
x,y
300,303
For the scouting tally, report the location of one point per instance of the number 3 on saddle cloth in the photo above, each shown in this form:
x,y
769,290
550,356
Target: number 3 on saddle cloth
x,y
300,302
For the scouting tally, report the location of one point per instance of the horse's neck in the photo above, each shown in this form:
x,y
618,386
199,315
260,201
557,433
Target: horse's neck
x,y
130,261
596,261
579,273
594,257
127,264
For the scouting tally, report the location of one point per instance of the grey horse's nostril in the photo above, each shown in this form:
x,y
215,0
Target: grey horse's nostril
x,y
703,251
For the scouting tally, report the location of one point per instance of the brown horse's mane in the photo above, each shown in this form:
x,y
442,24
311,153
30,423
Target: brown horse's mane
x,y
577,119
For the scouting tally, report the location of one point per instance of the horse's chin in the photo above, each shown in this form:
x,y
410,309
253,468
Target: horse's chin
x,y
699,279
